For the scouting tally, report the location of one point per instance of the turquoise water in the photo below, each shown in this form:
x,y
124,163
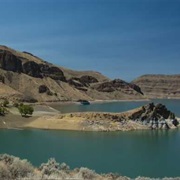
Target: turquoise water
x,y
145,153
173,105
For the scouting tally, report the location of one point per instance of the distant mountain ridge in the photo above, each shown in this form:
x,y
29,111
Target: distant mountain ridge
x,y
159,86
26,77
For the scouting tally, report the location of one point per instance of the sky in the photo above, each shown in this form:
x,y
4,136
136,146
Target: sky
x,y
119,38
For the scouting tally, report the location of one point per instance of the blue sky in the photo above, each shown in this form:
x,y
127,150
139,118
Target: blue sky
x,y
119,38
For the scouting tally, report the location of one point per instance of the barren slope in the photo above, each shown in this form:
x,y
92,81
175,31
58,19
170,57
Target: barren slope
x,y
35,79
159,86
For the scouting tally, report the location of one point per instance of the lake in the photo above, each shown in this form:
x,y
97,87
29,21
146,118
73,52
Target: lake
x,y
137,153
173,105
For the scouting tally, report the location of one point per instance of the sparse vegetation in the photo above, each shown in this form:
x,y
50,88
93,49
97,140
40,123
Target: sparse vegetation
x,y
16,104
14,168
2,111
49,93
43,89
25,110
5,103
29,99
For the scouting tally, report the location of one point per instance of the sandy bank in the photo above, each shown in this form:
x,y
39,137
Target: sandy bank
x,y
89,121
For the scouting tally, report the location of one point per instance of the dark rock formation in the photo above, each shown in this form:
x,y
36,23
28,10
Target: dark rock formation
x,y
42,70
106,87
82,83
43,89
88,79
136,88
155,116
52,72
118,85
10,62
76,82
32,69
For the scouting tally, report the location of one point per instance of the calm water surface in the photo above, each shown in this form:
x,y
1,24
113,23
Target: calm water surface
x,y
173,105
145,153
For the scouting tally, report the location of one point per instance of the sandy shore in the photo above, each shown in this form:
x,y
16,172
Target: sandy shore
x,y
45,117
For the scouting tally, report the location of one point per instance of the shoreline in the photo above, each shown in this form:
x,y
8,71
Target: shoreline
x,y
49,118
91,102
48,103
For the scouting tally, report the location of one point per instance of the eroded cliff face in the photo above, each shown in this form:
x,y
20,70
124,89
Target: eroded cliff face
x,y
159,86
10,62
27,74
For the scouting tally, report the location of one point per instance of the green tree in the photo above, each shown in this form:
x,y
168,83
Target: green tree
x,y
25,110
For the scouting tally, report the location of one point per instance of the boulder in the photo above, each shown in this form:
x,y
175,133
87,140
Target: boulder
x,y
43,89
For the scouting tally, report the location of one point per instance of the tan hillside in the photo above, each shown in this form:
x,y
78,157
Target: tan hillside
x,y
159,86
35,79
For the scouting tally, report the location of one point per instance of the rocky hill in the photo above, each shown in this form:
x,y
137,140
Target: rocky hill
x,y
26,77
159,86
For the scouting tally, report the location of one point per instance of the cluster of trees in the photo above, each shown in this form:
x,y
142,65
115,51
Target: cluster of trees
x,y
24,110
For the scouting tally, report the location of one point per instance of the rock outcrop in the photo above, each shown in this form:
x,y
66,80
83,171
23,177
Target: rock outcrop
x,y
52,72
10,62
88,79
118,85
32,69
155,116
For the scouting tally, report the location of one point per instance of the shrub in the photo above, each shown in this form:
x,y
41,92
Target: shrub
x,y
2,111
85,173
51,167
12,167
25,110
5,103
29,99
16,105
43,89
20,168
4,171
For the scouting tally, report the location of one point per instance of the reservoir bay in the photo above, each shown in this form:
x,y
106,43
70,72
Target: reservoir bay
x,y
136,153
